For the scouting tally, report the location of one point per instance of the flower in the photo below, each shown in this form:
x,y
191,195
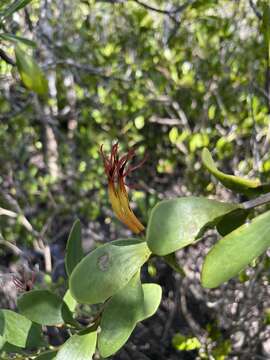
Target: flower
x,y
116,170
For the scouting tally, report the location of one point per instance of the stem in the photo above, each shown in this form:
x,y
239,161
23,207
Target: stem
x,y
261,200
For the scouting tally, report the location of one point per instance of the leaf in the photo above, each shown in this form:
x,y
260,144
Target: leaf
x,y
177,223
42,307
31,74
235,251
132,304
80,346
120,317
106,270
171,260
152,297
74,251
15,6
235,183
48,355
70,301
15,39
183,343
14,328
232,221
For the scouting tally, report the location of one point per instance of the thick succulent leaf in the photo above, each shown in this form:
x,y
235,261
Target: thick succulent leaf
x,y
177,223
14,328
31,74
120,316
74,251
232,221
106,270
80,346
235,183
235,251
152,297
42,307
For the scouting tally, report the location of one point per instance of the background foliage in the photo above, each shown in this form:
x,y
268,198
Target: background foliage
x,y
169,78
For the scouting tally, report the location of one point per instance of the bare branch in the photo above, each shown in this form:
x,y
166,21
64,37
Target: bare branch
x,y
6,58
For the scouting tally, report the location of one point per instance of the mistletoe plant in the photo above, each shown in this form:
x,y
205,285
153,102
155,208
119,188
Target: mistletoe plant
x,y
108,278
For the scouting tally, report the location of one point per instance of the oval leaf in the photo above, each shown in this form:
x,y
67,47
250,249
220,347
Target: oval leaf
x,y
80,346
120,317
14,328
42,307
235,251
31,74
236,183
177,223
74,251
106,270
152,297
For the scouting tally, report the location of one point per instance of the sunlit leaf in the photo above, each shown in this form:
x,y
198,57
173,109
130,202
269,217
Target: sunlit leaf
x,y
107,269
236,183
235,251
74,251
174,224
80,346
14,328
31,74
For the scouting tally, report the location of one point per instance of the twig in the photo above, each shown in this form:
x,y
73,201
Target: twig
x,y
6,58
256,11
261,200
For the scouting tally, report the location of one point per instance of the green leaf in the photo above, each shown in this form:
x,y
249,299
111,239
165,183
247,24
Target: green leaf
x,y
177,223
48,355
13,7
235,251
232,221
80,346
31,74
14,328
70,301
120,317
152,297
171,260
42,307
15,39
74,251
132,304
235,183
106,270
184,343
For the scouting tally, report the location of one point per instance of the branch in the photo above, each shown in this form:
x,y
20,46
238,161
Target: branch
x,y
256,11
261,200
6,58
165,12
